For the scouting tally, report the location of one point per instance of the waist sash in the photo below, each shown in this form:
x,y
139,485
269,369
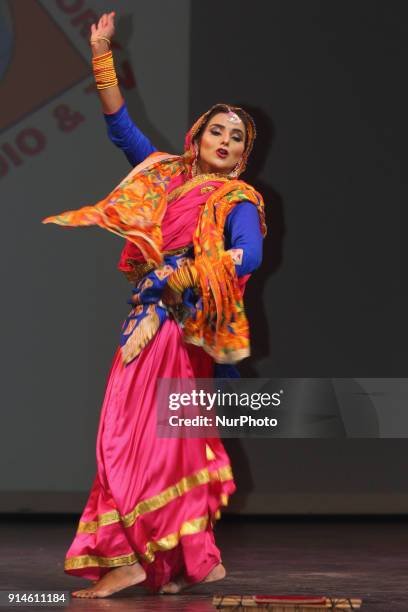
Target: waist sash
x,y
149,312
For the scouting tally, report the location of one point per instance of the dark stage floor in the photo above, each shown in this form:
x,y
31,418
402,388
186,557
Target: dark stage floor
x,y
354,558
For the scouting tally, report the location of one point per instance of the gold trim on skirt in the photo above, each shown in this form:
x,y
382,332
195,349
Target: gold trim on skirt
x,y
166,543
160,500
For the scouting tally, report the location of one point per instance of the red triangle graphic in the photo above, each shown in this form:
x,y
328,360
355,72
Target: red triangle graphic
x,y
42,62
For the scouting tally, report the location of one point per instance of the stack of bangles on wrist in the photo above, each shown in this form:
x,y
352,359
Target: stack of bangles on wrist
x,y
179,280
104,71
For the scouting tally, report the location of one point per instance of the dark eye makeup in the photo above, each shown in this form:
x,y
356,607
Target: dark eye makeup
x,y
236,137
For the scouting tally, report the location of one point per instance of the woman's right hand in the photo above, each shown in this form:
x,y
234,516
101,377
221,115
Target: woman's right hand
x,y
105,28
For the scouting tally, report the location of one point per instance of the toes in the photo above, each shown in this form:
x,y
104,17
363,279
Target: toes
x,y
170,588
84,593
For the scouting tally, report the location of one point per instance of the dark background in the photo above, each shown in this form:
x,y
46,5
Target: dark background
x,y
326,83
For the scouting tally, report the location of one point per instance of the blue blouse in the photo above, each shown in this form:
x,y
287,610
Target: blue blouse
x,y
242,228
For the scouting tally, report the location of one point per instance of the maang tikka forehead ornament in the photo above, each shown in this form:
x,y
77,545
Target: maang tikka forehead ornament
x,y
191,148
233,117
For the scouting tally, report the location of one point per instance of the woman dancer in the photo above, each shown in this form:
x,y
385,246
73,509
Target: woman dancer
x,y
193,234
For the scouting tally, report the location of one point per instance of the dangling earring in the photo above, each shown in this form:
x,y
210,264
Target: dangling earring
x,y
236,170
194,165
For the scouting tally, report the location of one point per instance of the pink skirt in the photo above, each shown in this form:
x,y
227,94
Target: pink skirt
x,y
154,500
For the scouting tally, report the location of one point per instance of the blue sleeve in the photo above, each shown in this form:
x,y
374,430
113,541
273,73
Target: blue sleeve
x,y
125,135
242,230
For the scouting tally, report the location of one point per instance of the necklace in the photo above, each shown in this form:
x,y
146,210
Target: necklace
x,y
193,182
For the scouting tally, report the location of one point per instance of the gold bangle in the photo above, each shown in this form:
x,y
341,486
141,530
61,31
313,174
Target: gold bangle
x,y
104,71
180,279
94,40
113,84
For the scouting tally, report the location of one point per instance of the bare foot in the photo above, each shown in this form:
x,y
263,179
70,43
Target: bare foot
x,y
115,580
181,584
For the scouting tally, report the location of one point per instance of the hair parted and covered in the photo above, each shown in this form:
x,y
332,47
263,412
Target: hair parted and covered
x,y
195,132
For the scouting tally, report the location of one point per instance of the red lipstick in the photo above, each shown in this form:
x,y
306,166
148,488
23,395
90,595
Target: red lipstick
x,y
222,153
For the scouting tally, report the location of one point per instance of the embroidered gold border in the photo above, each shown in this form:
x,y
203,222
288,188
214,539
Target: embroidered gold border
x,y
140,337
194,182
170,541
141,268
92,560
184,485
166,543
105,519
209,453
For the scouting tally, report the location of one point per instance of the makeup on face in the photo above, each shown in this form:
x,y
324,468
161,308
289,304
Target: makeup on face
x,y
234,133
222,143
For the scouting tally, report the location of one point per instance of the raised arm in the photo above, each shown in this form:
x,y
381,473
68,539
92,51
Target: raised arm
x,y
100,37
121,129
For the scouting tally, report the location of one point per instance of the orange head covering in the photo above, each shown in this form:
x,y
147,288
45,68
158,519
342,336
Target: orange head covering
x,y
190,144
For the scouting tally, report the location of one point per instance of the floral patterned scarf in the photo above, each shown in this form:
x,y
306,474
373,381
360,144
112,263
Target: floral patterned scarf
x,y
135,210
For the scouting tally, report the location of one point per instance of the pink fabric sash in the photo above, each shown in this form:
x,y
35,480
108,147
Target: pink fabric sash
x,y
179,222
